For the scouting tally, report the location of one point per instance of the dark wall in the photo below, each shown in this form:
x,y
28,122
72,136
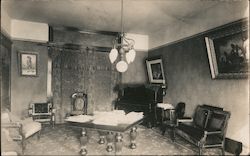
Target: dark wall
x,y
5,68
24,89
136,72
189,80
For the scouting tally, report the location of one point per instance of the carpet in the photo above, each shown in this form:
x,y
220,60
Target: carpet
x,y
64,140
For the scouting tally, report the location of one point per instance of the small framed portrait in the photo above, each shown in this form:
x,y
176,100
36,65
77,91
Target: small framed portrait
x,y
155,71
228,52
28,62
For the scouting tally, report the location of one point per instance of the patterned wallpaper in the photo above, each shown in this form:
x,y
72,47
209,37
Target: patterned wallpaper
x,y
84,70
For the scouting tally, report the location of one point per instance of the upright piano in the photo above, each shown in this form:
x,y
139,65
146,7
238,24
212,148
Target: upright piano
x,y
140,98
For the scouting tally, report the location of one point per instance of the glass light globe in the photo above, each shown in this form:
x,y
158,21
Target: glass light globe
x,y
113,55
128,57
121,66
132,55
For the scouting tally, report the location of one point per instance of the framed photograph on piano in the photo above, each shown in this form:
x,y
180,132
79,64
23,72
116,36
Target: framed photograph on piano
x,y
155,71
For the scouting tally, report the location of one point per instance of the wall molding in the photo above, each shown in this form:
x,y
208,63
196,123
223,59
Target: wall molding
x,y
5,39
28,40
83,31
201,33
5,33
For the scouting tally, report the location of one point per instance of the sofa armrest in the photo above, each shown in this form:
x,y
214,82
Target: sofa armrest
x,y
12,125
212,132
14,130
185,120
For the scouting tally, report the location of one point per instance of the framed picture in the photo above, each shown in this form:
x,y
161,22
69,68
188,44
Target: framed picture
x,y
155,71
228,52
28,63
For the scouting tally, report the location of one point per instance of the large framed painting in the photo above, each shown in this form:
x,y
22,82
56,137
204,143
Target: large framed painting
x,y
155,71
228,52
28,62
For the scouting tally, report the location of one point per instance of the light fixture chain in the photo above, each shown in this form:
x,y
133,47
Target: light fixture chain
x,y
126,53
121,17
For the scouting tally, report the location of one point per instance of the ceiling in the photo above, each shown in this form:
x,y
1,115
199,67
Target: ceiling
x,y
140,16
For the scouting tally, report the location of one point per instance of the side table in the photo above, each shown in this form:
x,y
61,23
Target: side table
x,y
167,117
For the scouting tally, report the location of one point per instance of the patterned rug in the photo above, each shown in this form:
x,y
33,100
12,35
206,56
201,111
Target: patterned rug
x,y
64,140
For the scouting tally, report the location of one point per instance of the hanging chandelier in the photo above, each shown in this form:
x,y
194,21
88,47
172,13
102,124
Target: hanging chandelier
x,y
123,52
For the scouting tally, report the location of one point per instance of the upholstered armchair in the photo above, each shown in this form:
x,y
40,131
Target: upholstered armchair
x,y
208,128
78,104
19,130
8,146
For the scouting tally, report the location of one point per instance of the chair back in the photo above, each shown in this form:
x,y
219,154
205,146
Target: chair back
x,y
79,102
5,118
180,110
218,120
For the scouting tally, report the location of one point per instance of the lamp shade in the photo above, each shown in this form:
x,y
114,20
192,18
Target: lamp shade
x,y
113,55
121,66
130,56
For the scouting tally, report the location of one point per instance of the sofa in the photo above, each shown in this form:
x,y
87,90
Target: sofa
x,y
207,129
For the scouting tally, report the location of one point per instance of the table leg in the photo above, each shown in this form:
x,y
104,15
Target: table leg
x,y
110,139
118,143
163,115
133,135
83,141
102,137
53,120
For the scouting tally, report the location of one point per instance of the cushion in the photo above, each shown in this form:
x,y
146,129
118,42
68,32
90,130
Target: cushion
x,y
201,117
31,128
189,132
216,121
214,139
79,103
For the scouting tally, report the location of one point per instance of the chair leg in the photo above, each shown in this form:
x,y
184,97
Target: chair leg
x,y
200,149
23,146
149,124
222,151
173,134
163,128
39,135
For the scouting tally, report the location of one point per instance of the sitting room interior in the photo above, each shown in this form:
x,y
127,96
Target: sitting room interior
x,y
124,77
